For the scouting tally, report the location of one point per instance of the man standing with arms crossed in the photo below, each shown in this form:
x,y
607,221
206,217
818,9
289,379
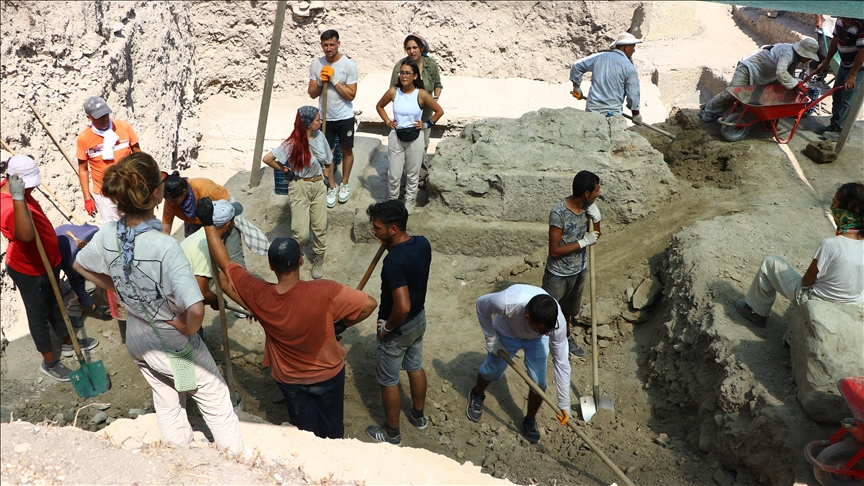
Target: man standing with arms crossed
x,y
340,74
564,278
613,79
103,143
401,317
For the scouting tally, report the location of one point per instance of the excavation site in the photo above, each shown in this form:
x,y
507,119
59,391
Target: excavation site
x,y
695,393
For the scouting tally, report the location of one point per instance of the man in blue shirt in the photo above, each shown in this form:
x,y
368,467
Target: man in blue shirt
x,y
613,79
401,317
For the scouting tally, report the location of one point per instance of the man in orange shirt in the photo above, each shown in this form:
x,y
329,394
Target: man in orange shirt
x,y
301,348
103,143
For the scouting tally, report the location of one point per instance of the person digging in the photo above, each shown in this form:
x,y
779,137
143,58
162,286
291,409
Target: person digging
x,y
522,317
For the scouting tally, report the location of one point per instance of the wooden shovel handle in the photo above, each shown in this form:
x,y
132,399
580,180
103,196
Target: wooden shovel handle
x,y
371,267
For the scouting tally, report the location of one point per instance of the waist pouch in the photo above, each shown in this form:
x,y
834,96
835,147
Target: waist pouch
x,y
183,368
407,134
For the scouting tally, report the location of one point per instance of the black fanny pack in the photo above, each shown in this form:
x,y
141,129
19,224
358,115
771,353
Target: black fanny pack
x,y
408,134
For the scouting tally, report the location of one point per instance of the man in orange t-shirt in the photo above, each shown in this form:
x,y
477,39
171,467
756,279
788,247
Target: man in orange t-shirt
x,y
301,348
103,143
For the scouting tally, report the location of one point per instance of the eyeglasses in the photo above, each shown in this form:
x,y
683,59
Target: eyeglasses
x,y
406,73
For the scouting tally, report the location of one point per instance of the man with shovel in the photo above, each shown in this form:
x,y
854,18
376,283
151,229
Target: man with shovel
x,y
25,267
564,278
338,74
401,317
301,349
523,317
614,79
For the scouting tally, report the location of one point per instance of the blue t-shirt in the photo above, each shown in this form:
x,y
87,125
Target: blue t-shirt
x,y
406,264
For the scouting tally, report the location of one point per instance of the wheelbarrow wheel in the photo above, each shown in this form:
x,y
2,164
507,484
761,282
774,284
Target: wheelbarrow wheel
x,y
731,133
837,455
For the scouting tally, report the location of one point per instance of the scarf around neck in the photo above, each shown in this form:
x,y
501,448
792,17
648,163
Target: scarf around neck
x,y
126,236
109,140
846,221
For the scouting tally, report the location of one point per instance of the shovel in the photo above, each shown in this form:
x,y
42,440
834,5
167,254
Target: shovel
x,y
539,391
236,399
91,379
650,127
589,405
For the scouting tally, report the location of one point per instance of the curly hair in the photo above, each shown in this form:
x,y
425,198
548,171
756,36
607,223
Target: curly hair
x,y
850,196
130,183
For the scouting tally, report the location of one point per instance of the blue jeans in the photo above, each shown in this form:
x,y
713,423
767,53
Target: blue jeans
x,y
842,99
536,352
319,407
403,350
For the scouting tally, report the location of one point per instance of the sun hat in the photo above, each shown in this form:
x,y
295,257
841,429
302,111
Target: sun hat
x,y
26,169
807,48
625,39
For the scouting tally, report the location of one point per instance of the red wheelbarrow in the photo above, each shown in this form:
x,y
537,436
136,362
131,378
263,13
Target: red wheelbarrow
x,y
842,461
766,104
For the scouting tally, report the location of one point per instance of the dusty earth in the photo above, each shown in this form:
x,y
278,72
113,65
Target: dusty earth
x,y
745,198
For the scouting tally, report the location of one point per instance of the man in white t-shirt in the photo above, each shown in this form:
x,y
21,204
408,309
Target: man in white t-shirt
x,y
340,74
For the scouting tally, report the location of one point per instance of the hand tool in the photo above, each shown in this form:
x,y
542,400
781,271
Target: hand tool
x,y
651,127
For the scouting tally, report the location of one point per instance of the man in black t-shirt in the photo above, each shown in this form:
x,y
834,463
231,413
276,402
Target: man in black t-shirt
x,y
401,317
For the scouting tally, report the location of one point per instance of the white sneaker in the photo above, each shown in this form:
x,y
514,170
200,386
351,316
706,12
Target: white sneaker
x,y
409,205
344,192
331,197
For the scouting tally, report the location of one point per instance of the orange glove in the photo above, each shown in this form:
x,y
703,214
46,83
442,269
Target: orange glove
x,y
326,73
563,419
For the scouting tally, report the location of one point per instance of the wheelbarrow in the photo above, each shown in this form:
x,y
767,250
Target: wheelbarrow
x,y
841,460
766,104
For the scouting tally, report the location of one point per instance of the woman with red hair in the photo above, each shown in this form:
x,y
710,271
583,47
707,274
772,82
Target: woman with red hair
x,y
304,158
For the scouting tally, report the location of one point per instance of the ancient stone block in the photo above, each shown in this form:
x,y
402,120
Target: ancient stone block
x,y
517,170
821,152
827,345
647,293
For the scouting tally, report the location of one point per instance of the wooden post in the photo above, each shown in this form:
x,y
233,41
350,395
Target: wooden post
x,y
851,116
268,91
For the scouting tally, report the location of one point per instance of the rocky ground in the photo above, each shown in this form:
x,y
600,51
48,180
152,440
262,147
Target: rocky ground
x,y
700,397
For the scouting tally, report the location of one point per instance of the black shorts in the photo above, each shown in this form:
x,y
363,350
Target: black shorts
x,y
344,129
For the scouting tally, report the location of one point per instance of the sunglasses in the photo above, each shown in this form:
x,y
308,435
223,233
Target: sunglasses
x,y
406,73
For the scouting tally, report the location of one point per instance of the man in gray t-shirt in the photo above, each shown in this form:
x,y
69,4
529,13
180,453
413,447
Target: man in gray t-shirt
x,y
569,235
340,76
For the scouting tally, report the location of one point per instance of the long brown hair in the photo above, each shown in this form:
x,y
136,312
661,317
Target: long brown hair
x,y
130,183
299,156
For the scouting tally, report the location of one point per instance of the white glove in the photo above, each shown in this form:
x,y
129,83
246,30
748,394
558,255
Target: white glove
x,y
493,344
593,212
589,239
381,331
16,187
637,119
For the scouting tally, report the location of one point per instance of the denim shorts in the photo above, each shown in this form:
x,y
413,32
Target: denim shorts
x,y
536,352
566,290
403,351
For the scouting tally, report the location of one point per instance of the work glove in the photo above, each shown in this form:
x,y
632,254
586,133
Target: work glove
x,y
89,207
577,93
637,119
589,239
493,344
381,330
326,73
16,187
204,211
801,88
593,212
563,419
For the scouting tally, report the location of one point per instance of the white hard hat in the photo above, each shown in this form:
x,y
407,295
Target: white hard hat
x,y
625,39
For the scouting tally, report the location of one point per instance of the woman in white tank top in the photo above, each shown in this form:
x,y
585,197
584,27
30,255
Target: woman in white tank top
x,y
405,145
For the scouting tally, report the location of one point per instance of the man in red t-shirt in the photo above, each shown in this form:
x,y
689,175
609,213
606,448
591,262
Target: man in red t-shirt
x,y
301,348
25,267
103,143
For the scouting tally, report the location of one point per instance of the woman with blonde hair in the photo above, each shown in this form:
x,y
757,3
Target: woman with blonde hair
x,y
155,284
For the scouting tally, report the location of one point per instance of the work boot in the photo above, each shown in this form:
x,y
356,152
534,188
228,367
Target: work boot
x,y
56,370
529,430
86,344
380,435
575,349
745,310
317,266
831,127
475,406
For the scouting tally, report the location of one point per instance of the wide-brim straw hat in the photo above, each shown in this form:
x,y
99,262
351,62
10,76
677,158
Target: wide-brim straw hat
x,y
625,39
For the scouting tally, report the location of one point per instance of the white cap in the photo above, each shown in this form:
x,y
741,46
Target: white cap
x,y
26,169
224,211
807,48
625,39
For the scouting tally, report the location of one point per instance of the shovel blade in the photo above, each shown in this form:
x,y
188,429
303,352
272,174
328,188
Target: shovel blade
x,y
588,409
607,402
90,379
